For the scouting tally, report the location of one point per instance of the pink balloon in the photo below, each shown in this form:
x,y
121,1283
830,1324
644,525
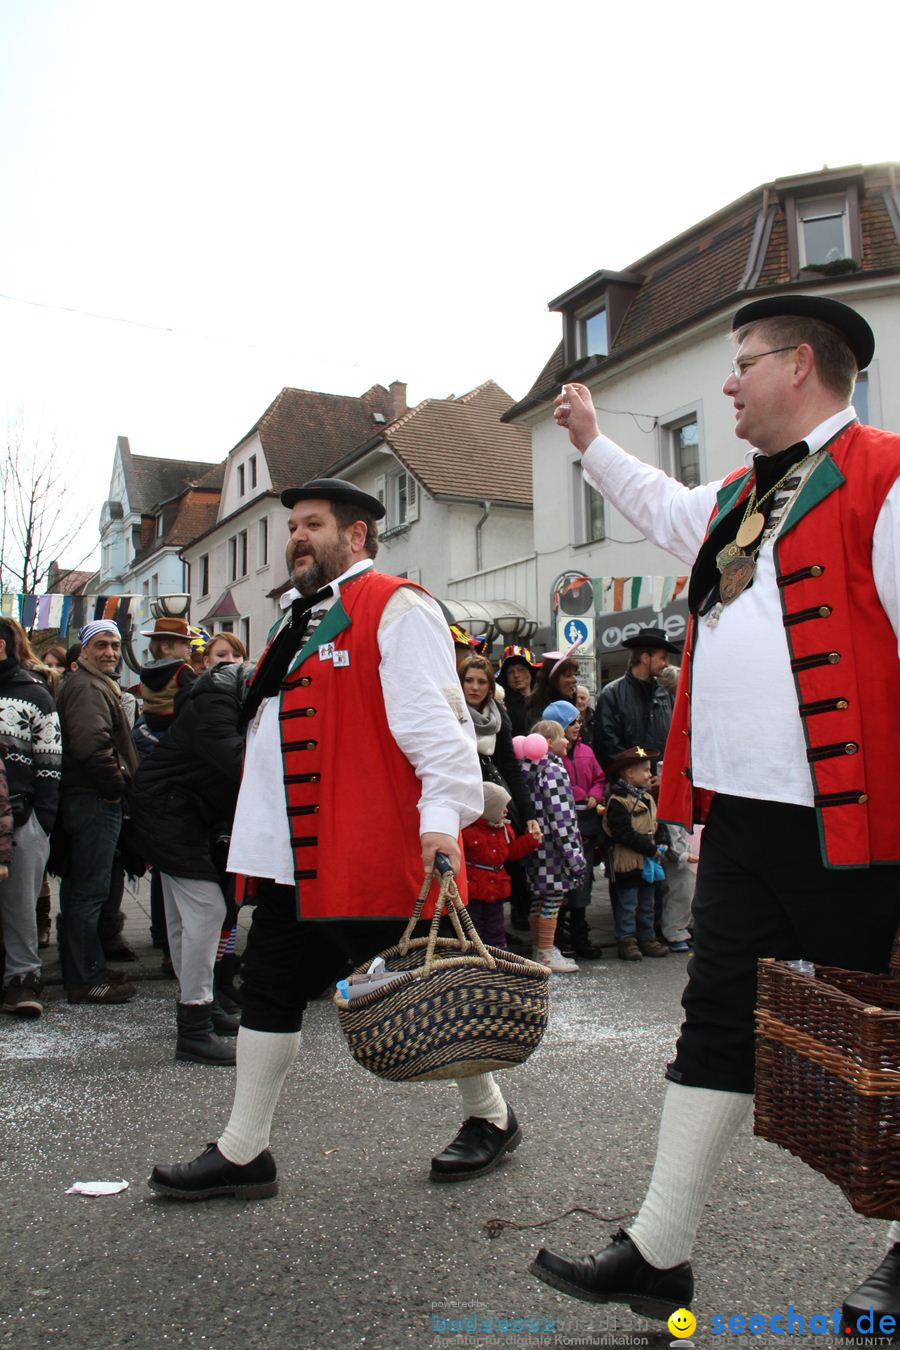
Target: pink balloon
x,y
536,746
519,746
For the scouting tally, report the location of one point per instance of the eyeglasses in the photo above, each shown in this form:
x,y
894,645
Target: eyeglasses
x,y
741,364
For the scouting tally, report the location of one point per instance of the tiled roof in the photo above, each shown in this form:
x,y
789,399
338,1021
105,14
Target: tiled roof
x,y
303,431
184,521
63,581
459,446
718,262
150,481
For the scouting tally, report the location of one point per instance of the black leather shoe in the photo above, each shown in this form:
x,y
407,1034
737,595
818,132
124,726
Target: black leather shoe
x,y
477,1149
619,1274
212,1174
878,1296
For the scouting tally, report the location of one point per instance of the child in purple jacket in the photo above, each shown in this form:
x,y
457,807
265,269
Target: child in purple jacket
x,y
558,865
589,789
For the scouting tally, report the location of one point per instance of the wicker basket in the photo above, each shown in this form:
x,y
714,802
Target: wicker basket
x,y
461,1008
828,1076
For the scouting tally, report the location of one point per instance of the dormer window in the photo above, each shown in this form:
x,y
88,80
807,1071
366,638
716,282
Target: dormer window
x,y
823,230
593,333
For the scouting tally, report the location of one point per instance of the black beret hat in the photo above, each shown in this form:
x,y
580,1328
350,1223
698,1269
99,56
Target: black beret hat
x,y
334,490
852,326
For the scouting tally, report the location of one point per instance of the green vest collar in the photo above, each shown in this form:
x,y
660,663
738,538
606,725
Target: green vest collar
x,y
335,621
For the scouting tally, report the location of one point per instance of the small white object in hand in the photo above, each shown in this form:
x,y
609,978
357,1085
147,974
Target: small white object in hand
x,y
565,407
97,1188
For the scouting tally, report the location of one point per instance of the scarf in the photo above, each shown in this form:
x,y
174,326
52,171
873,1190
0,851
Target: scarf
x,y
487,724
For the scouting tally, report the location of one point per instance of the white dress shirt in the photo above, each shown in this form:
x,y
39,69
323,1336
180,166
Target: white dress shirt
x,y
747,737
427,716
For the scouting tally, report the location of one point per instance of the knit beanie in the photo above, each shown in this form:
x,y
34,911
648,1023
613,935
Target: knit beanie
x,y
496,799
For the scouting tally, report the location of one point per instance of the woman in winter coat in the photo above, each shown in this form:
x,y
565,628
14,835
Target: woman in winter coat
x,y
182,806
516,677
494,737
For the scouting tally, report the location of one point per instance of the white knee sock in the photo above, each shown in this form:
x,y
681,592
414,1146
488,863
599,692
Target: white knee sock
x,y
263,1060
482,1097
894,1233
695,1133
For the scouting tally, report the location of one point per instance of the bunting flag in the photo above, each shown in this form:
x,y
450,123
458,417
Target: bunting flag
x,y
66,613
42,619
612,595
29,610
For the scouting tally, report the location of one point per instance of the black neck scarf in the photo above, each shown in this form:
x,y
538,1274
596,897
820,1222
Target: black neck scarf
x,y
703,592
274,666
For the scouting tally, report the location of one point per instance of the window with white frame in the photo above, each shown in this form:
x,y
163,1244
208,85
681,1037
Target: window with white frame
x,y
241,478
262,542
589,509
203,570
399,494
684,449
251,465
823,230
237,556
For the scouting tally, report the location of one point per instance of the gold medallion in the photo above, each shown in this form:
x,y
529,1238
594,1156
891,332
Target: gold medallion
x,y
736,577
750,529
724,556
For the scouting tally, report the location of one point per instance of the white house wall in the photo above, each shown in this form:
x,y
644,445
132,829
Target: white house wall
x,y
671,380
232,499
249,592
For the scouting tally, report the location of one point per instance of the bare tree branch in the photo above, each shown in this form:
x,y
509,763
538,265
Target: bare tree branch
x,y
37,523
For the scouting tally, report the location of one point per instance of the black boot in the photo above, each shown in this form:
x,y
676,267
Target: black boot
x,y
223,1023
581,936
225,992
197,1044
563,939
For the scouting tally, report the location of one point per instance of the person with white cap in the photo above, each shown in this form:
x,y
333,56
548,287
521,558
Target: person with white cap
x,y
98,764
786,717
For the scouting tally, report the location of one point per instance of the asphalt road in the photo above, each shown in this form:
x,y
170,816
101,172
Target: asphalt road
x,y
359,1249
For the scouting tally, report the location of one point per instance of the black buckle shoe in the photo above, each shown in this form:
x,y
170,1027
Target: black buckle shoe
x,y
619,1274
212,1174
477,1149
878,1297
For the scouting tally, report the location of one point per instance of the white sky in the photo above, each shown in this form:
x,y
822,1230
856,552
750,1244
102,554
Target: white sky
x,y
333,195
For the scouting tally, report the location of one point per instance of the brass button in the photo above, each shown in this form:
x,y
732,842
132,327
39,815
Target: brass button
x,y
842,704
310,712
315,778
816,570
851,748
306,680
685,733
862,798
686,772
311,745
833,658
315,809
824,611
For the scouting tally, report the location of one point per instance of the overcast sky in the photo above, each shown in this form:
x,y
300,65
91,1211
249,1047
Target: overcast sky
x,y
333,195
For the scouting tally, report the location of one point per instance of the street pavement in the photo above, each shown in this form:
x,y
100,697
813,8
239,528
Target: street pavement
x,y
359,1249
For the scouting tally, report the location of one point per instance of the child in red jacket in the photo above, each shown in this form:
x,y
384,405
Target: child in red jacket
x,y
489,842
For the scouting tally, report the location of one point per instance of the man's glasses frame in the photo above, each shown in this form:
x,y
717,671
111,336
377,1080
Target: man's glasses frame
x,y
741,364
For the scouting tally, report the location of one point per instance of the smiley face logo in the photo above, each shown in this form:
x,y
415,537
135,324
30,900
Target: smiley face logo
x,y
682,1323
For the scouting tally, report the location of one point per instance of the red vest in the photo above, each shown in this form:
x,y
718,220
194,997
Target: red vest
x,y
843,652
352,795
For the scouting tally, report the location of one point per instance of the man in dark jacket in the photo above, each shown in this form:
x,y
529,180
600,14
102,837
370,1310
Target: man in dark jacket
x,y
98,764
635,709
29,743
182,807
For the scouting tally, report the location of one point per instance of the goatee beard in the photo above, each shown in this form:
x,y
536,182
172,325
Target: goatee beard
x,y
312,579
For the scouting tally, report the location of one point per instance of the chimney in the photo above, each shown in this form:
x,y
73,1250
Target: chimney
x,y
397,396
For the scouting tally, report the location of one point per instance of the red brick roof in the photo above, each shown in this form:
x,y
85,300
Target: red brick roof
x,y
726,258
459,447
303,431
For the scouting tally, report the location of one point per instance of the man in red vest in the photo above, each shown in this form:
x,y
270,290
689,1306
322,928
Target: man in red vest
x,y
786,712
360,766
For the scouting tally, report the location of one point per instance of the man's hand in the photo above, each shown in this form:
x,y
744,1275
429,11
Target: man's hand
x,y
433,843
574,410
4,872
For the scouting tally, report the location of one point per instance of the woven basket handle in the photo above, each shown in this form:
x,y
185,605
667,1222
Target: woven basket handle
x,y
448,899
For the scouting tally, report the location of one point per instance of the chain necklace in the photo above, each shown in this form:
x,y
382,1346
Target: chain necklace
x,y
737,561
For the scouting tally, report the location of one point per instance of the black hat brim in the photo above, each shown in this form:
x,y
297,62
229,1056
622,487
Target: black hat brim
x,y
651,641
334,490
852,326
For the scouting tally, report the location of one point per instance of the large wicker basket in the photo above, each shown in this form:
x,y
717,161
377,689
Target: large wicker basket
x,y
461,1008
828,1076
